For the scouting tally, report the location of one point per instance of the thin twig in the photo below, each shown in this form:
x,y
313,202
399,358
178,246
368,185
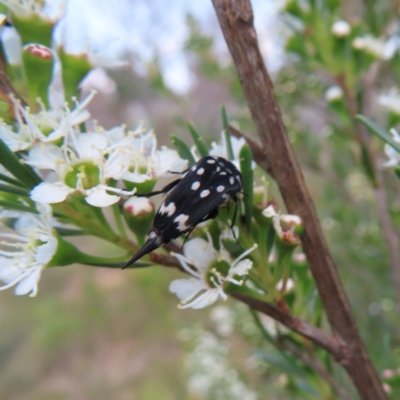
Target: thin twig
x,y
315,364
259,155
285,317
236,20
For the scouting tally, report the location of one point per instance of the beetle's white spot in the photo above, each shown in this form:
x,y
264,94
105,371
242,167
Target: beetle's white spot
x,y
181,221
223,173
220,188
231,180
225,196
195,185
152,234
204,193
211,161
200,171
218,169
169,209
194,168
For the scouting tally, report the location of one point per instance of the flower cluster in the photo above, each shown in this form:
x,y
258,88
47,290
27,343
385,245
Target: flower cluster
x,y
211,270
27,251
71,161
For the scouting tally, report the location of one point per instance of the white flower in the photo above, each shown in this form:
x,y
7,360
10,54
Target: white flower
x,y
207,277
26,252
168,160
221,150
223,319
269,212
12,45
289,285
341,28
210,372
80,167
390,100
86,162
392,154
374,46
285,225
46,126
333,93
28,8
141,159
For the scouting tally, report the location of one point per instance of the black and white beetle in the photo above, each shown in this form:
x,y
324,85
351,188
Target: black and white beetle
x,y
193,199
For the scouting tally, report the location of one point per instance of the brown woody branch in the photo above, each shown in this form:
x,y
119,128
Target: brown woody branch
x,y
285,317
236,20
315,364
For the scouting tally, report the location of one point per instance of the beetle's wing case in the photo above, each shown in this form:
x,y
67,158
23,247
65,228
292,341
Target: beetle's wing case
x,y
196,197
208,184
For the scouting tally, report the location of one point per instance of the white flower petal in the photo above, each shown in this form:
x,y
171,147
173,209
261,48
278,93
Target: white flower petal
x,y
168,160
206,299
199,253
29,283
46,156
241,268
269,212
49,193
135,178
186,289
45,252
91,145
8,270
100,198
15,141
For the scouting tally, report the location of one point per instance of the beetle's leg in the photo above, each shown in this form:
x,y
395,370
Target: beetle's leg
x,y
165,189
235,199
179,173
211,215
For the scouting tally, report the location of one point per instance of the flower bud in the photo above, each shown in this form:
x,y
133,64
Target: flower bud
x,y
341,28
38,63
288,228
139,214
333,94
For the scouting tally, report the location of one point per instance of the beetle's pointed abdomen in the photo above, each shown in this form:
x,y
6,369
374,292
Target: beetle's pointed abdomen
x,y
153,242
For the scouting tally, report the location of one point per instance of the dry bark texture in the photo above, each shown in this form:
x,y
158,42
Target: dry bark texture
x,y
236,20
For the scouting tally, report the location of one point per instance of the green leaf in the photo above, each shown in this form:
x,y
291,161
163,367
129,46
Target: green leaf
x,y
397,171
233,247
13,164
379,131
287,364
14,190
183,149
198,140
270,238
70,232
367,164
10,180
11,205
245,156
227,135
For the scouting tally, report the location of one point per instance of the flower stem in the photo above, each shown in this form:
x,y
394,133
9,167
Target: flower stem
x,y
118,220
